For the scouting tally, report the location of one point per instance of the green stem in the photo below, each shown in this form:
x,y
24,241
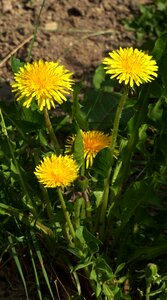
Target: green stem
x,y
148,288
35,32
88,208
53,137
47,202
83,169
124,170
83,211
77,211
105,196
104,204
117,119
4,130
66,214
140,115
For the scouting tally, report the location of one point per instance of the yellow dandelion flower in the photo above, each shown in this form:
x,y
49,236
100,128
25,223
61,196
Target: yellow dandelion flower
x,y
46,82
131,66
93,142
57,171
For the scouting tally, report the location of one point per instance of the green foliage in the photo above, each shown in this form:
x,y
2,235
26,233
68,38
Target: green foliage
x,y
100,106
17,261
150,22
78,149
76,110
16,64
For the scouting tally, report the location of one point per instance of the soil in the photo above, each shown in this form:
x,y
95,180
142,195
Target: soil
x,y
78,33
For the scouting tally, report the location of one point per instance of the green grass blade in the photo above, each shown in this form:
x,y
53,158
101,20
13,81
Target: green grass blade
x,y
27,220
36,275
16,259
39,255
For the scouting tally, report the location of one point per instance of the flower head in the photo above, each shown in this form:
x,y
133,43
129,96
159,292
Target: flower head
x,y
46,82
93,142
131,66
57,171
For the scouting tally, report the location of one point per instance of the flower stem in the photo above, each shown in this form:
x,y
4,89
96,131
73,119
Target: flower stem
x,y
117,119
47,202
148,289
140,115
88,209
104,204
112,147
66,214
133,139
53,138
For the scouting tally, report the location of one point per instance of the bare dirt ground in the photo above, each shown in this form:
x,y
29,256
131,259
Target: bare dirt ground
x,y
78,33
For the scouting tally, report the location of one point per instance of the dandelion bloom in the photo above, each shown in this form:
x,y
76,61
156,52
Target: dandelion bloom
x,y
46,82
131,66
93,142
57,171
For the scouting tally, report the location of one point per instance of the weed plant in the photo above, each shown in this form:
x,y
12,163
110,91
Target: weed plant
x,y
150,22
83,183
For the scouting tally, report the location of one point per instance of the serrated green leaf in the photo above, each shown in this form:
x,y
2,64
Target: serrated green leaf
x,y
78,114
99,77
100,108
119,268
16,64
98,289
155,111
141,145
14,169
103,162
160,46
104,269
79,234
107,291
156,89
82,266
28,115
140,192
162,68
87,239
93,275
98,196
91,241
42,139
78,149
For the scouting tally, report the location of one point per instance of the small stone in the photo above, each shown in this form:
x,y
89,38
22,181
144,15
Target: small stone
x,y
6,6
51,26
